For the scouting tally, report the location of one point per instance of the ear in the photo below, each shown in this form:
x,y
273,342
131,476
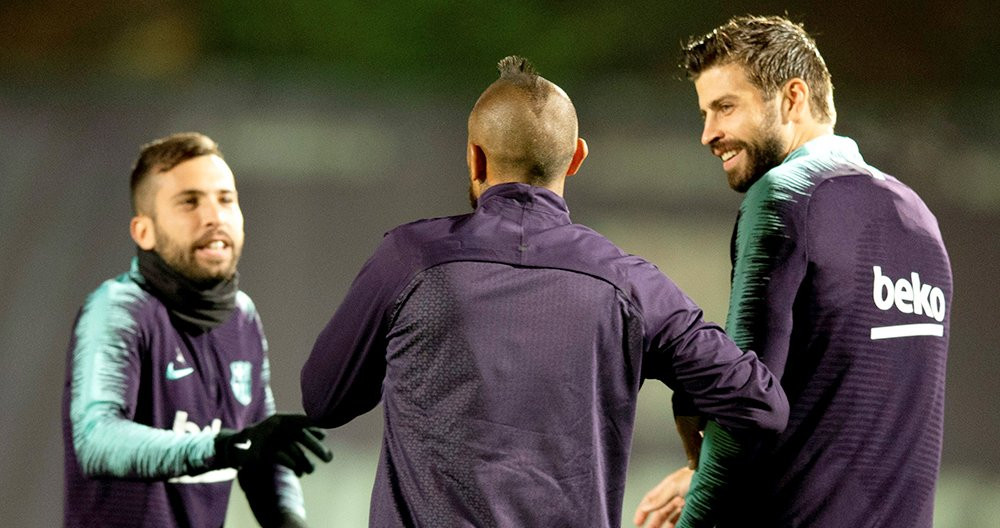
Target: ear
x,y
795,100
141,229
579,155
477,163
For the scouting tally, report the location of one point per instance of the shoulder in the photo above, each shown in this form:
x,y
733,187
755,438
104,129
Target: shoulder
x,y
791,187
117,307
420,231
632,275
120,296
245,304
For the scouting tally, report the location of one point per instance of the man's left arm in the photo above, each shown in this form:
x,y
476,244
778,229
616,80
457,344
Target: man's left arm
x,y
343,376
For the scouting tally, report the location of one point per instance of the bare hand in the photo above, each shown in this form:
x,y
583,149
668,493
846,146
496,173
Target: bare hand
x,y
661,507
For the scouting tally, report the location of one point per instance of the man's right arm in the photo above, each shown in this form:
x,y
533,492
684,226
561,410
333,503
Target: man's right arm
x,y
710,375
712,378
105,370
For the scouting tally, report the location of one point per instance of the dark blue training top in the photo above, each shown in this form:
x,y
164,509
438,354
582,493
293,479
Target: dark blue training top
x,y
843,286
142,404
508,347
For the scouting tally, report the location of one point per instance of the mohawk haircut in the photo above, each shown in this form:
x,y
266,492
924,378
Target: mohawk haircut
x,y
528,124
514,65
520,72
771,50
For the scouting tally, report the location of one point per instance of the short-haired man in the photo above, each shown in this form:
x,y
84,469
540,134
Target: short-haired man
x,y
841,283
508,345
167,369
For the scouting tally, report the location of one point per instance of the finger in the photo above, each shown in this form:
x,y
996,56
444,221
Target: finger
x,y
317,432
650,509
285,460
659,495
291,424
300,458
314,444
295,458
677,514
656,519
640,516
668,515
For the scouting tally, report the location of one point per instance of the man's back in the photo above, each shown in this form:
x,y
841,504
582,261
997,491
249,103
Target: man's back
x,y
509,395
859,287
510,351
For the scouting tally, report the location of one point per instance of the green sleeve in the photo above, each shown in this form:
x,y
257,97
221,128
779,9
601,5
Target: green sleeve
x,y
721,455
106,369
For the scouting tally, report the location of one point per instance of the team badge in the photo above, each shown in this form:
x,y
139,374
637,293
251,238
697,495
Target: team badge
x,y
240,380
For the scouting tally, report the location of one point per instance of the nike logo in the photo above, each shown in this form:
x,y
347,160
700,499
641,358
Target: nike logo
x,y
176,374
243,445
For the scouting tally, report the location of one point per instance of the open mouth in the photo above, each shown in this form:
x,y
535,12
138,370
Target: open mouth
x,y
729,158
213,248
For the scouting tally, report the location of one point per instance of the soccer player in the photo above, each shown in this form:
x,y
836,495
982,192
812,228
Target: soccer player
x,y
840,282
167,372
508,345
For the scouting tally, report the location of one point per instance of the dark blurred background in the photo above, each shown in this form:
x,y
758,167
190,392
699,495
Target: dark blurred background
x,y
344,119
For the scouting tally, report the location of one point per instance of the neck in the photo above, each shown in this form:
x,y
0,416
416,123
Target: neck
x,y
197,305
805,134
557,185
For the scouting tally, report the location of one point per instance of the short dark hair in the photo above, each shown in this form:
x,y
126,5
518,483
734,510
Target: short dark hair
x,y
163,154
537,143
520,72
517,67
771,50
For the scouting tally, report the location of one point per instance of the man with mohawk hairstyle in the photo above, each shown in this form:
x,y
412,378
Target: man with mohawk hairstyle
x,y
508,345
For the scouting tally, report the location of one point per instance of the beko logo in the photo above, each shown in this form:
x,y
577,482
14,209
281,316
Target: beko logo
x,y
183,427
909,297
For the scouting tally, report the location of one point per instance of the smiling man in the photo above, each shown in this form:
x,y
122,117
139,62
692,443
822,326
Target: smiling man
x,y
840,282
167,369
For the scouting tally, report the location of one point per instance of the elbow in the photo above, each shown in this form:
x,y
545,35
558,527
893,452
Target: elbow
x,y
317,414
777,419
327,415
774,419
89,460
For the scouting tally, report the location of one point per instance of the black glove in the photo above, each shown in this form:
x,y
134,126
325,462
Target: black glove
x,y
277,440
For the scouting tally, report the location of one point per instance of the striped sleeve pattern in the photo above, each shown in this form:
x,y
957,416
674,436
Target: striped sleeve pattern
x,y
104,374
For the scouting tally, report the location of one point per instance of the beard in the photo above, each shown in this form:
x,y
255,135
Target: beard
x,y
763,153
182,259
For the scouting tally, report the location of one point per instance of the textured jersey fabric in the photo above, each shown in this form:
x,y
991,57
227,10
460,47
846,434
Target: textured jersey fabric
x,y
507,347
143,401
842,284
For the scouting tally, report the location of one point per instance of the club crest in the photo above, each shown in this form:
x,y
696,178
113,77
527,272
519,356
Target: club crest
x,y
241,381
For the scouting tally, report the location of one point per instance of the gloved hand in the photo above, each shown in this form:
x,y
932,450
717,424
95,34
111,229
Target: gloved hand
x,y
277,440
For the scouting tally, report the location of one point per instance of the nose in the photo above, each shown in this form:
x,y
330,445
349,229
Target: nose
x,y
211,213
711,131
